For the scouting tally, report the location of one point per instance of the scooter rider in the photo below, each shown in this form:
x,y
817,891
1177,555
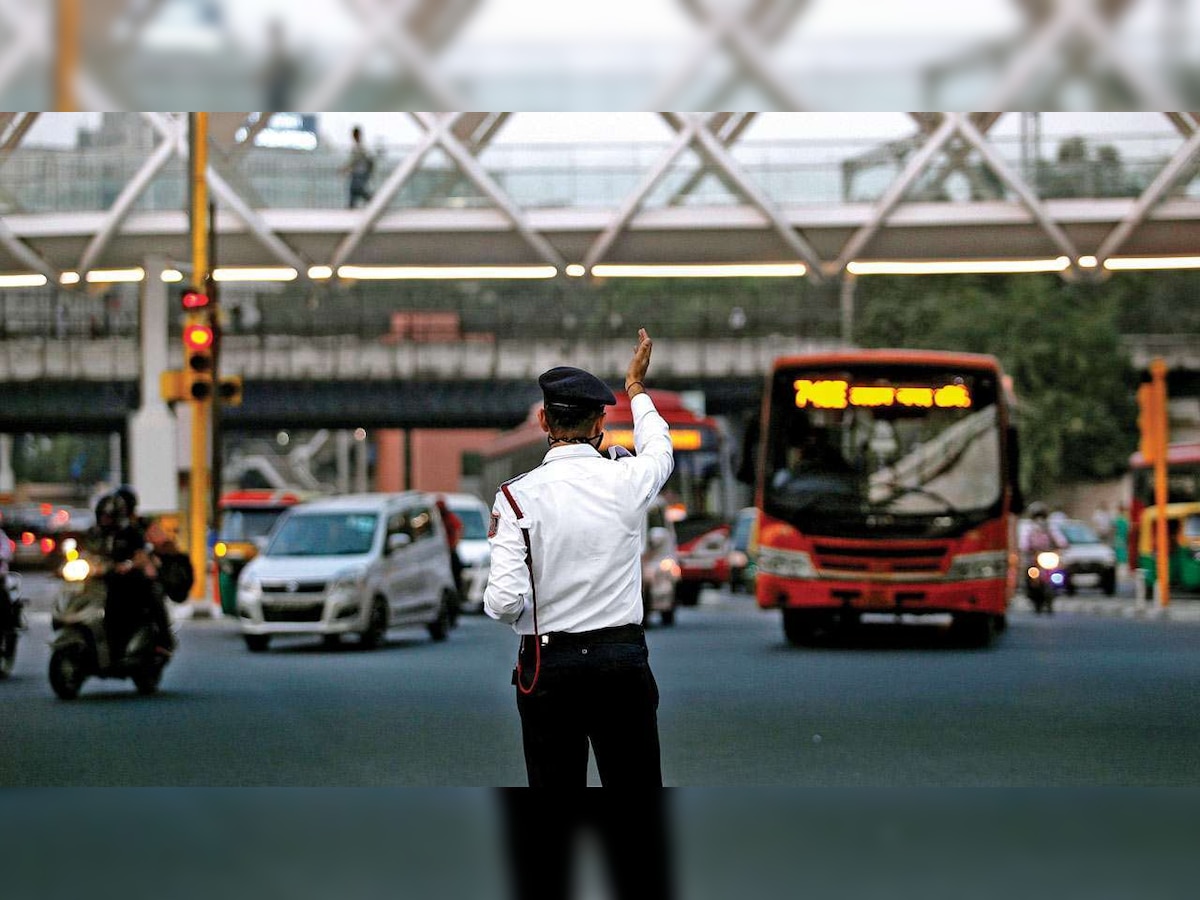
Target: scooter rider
x,y
132,596
1042,535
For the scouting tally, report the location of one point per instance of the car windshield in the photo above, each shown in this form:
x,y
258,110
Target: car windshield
x,y
247,524
1078,533
896,450
474,526
324,534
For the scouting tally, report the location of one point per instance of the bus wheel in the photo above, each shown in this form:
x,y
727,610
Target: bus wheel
x,y
976,629
800,626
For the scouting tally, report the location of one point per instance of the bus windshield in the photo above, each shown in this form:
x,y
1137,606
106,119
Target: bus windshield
x,y
901,450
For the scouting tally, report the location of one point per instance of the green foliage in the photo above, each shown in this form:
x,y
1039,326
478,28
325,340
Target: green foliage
x,y
1059,342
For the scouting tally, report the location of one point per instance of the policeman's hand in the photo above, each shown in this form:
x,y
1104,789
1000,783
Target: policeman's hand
x,y
639,364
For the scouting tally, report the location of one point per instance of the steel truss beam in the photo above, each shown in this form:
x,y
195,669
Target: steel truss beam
x,y
742,32
170,131
384,22
1093,23
30,41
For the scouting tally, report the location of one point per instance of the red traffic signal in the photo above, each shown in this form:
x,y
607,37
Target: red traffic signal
x,y
197,337
193,300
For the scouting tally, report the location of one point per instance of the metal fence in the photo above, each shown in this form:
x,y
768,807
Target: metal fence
x,y
34,180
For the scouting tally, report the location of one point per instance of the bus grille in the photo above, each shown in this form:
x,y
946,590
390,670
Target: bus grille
x,y
866,558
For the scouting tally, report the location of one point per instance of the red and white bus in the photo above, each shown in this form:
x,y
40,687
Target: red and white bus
x,y
886,483
698,493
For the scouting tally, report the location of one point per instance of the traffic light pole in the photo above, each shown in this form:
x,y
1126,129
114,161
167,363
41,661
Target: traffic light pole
x,y
1162,553
198,487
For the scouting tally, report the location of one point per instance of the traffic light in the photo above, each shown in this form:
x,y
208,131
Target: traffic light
x,y
229,390
199,344
193,300
198,359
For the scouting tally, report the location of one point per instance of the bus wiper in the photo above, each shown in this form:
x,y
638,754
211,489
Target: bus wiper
x,y
904,490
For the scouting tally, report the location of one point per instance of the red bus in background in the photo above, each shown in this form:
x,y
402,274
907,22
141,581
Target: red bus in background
x,y
1183,485
698,493
886,483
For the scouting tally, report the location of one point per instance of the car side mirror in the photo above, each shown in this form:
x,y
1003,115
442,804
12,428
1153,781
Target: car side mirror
x,y
398,540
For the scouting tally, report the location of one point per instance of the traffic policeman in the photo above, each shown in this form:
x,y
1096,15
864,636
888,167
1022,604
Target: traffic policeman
x,y
566,543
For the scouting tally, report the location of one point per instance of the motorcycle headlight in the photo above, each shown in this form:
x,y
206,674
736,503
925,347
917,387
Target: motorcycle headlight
x,y
76,570
971,566
1048,559
786,563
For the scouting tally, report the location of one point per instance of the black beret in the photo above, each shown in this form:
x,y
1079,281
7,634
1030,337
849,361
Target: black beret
x,y
568,386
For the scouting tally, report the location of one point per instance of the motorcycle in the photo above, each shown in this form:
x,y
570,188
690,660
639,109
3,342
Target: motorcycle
x,y
12,623
82,649
1044,579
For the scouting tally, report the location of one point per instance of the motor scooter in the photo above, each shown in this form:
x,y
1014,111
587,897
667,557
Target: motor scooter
x,y
12,623
82,648
1044,579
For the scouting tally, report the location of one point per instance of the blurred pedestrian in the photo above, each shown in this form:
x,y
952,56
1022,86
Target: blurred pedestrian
x,y
566,564
359,167
1121,537
1102,523
453,527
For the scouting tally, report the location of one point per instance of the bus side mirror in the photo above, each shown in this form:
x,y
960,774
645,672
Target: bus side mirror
x,y
748,464
1014,470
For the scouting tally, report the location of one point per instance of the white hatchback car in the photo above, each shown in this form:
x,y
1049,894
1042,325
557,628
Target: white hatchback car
x,y
357,564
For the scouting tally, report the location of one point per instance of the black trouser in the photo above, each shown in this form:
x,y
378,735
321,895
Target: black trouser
x,y
593,687
633,832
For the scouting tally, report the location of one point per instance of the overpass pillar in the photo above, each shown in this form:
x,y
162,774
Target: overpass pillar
x,y
8,481
153,436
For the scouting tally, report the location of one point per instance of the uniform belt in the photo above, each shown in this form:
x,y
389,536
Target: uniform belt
x,y
619,634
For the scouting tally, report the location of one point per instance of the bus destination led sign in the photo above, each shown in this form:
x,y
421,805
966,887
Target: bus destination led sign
x,y
840,394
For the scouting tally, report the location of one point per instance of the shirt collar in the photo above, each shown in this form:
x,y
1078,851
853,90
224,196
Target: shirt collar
x,y
570,451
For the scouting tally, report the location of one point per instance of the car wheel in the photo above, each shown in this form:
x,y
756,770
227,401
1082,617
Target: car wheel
x,y
257,643
377,625
440,627
1108,582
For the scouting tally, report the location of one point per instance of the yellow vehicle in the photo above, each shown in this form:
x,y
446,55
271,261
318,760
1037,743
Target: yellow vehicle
x,y
1183,539
247,517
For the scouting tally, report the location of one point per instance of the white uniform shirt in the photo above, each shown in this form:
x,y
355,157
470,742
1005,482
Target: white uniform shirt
x,y
586,514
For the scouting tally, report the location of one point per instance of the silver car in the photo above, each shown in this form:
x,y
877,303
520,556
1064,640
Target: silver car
x,y
359,564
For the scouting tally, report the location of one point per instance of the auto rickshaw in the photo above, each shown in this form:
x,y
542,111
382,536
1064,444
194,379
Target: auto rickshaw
x,y
246,518
1183,539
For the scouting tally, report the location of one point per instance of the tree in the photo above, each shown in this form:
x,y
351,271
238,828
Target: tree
x,y
1059,342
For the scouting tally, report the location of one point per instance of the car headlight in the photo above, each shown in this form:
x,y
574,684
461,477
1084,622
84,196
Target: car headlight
x,y
349,580
786,563
971,566
248,587
1048,559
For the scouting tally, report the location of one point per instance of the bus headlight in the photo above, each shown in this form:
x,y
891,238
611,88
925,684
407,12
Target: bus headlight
x,y
973,566
786,563
1048,559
